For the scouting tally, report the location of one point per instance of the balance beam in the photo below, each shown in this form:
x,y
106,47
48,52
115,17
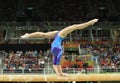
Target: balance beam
x,y
71,77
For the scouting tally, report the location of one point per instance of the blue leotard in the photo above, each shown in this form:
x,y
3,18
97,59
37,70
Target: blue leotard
x,y
56,49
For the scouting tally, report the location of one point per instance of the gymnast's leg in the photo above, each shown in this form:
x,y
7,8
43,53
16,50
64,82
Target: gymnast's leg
x,y
50,34
58,70
64,32
57,54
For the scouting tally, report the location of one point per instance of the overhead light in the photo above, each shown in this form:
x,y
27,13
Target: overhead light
x,y
101,8
30,8
99,28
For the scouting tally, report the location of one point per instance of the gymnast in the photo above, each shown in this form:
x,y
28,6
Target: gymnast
x,y
58,36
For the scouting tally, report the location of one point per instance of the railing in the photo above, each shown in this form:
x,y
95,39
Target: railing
x,y
53,23
66,70
79,39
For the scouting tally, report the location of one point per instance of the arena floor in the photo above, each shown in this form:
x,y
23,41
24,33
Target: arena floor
x,y
71,77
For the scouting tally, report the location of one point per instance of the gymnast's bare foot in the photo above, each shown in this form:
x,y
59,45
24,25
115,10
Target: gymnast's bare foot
x,y
92,22
64,74
24,36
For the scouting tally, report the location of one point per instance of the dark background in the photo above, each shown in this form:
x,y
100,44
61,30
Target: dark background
x,y
58,10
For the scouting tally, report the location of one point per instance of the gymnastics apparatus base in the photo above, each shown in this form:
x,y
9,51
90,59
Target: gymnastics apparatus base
x,y
54,77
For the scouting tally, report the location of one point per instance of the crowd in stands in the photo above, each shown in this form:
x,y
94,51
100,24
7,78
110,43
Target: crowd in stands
x,y
110,58
27,61
107,55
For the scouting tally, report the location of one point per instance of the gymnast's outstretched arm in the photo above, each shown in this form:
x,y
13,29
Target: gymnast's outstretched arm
x,y
50,34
